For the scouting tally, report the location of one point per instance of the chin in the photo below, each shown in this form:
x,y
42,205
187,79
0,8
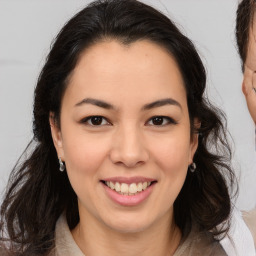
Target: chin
x,y
129,225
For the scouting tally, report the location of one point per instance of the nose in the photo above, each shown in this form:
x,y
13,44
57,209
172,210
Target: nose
x,y
128,148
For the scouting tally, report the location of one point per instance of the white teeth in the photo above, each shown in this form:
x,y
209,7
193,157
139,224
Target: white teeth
x,y
112,185
133,188
139,187
144,185
126,189
117,187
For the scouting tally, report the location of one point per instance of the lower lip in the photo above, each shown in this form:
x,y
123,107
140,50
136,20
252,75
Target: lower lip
x,y
132,200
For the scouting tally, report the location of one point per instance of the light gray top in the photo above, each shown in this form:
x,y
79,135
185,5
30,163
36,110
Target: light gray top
x,y
196,244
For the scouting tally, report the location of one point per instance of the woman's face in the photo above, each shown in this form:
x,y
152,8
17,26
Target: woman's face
x,y
125,135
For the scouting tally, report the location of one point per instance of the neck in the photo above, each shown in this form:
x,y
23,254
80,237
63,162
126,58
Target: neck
x,y
94,238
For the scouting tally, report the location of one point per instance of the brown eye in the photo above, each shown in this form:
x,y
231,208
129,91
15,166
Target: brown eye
x,y
157,120
95,121
161,121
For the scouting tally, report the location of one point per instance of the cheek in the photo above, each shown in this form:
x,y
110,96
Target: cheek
x,y
171,158
173,154
84,157
251,53
84,153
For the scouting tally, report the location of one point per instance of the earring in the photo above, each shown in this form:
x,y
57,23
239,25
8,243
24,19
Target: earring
x,y
192,167
62,166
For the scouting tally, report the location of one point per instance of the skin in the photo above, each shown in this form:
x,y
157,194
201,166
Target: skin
x,y
249,82
126,144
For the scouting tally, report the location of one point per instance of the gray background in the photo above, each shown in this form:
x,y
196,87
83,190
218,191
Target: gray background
x,y
28,27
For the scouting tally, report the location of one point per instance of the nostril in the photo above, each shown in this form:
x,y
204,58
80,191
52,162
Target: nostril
x,y
129,154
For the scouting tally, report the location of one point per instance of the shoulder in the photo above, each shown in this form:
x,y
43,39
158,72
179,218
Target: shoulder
x,y
64,242
204,242
200,243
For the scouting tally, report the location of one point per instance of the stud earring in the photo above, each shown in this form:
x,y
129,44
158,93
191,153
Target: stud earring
x,y
62,166
192,167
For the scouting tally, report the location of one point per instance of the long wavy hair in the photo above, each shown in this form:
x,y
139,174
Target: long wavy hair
x,y
38,192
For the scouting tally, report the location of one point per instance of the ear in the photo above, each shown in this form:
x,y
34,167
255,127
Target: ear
x,y
194,140
56,136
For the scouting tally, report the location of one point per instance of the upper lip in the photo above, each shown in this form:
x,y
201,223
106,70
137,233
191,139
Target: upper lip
x,y
129,180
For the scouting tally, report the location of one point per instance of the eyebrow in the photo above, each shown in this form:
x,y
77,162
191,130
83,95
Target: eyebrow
x,y
160,103
99,103
155,104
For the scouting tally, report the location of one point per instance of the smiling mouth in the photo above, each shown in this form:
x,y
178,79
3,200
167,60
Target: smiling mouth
x,y
128,189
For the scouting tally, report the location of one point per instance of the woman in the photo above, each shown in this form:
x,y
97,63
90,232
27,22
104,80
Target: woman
x,y
128,156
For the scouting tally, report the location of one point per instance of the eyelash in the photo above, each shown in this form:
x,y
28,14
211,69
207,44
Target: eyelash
x,y
166,120
89,119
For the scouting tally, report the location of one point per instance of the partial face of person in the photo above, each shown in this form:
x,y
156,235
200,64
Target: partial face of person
x,y
125,135
249,82
251,53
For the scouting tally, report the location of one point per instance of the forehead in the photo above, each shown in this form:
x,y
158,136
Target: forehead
x,y
110,69
138,55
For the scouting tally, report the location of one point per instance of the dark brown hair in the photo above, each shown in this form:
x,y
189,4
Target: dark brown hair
x,y
244,21
38,192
